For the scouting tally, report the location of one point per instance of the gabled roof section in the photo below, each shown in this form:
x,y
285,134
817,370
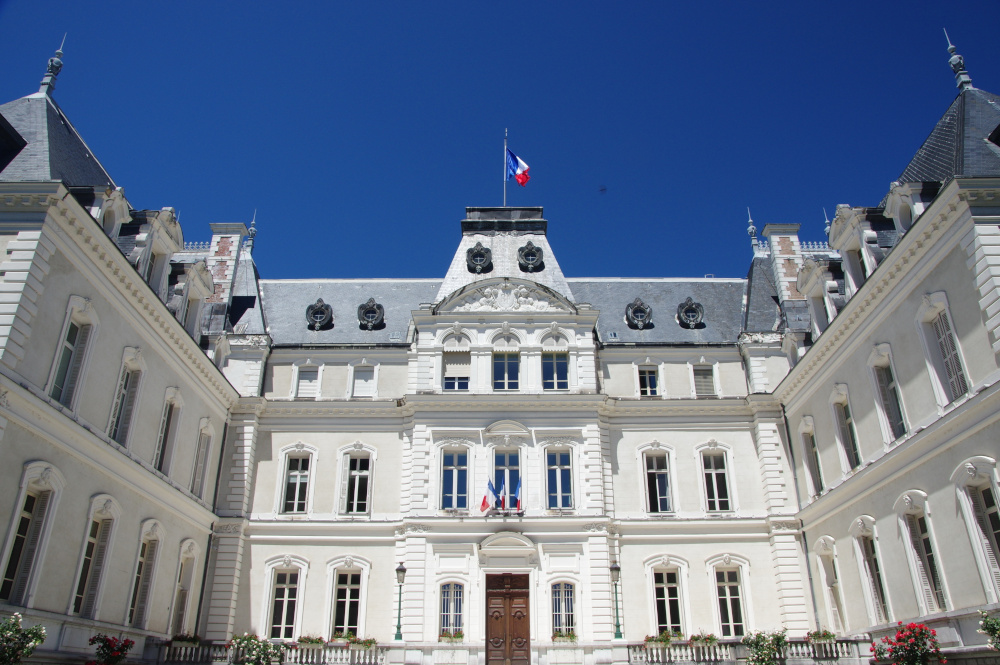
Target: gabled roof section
x,y
959,144
246,313
54,150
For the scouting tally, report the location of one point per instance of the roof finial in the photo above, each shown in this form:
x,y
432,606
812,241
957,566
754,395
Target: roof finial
x,y
55,66
251,232
826,229
751,229
957,62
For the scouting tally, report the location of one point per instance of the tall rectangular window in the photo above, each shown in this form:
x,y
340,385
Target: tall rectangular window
x,y
848,436
454,479
364,381
563,620
704,381
24,549
121,413
648,383
451,609
560,482
657,483
286,593
358,480
874,578
987,516
954,376
347,603
727,587
716,482
506,478
200,465
164,444
85,599
667,592
69,362
142,583
812,461
555,371
296,485
888,394
927,567
308,383
505,371
457,370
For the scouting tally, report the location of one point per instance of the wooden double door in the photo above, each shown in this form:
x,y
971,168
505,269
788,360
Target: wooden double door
x,y
508,637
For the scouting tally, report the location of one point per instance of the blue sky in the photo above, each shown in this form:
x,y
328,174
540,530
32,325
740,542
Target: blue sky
x,y
360,131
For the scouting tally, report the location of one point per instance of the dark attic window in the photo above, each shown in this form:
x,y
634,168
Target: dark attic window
x,y
994,136
11,143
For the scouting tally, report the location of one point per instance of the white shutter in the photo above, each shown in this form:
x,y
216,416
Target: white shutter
x,y
874,578
96,568
457,364
923,577
704,381
308,382
985,535
949,356
79,351
364,381
117,406
30,548
128,407
198,481
139,620
345,479
163,439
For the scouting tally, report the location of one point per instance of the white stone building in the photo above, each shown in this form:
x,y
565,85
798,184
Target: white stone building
x,y
812,446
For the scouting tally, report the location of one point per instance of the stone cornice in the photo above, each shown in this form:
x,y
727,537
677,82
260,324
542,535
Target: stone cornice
x,y
882,284
105,256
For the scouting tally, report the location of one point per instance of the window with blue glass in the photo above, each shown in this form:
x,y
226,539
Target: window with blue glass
x,y
505,371
507,479
555,371
454,479
657,483
559,479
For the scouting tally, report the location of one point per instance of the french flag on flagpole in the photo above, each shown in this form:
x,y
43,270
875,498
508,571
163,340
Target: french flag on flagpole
x,y
517,169
489,498
517,494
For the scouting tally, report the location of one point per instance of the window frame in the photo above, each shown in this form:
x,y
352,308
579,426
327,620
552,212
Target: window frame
x,y
36,477
553,358
880,358
173,405
296,388
558,449
299,450
273,565
656,449
345,564
934,308
825,550
845,428
188,555
703,365
455,449
731,562
356,450
137,608
456,342
862,531
81,312
561,613
678,584
925,566
811,458
202,457
448,612
127,396
650,369
352,370
977,474
103,507
511,359
504,489
715,449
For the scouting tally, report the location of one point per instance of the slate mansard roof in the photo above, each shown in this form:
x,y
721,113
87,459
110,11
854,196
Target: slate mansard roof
x,y
54,150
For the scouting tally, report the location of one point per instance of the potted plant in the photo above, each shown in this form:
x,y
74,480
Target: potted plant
x,y
185,640
704,639
764,648
820,636
568,635
248,649
659,641
311,642
341,637
990,626
451,635
358,643
17,642
913,644
110,650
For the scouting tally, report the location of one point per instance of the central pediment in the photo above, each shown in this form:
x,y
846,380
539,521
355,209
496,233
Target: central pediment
x,y
505,295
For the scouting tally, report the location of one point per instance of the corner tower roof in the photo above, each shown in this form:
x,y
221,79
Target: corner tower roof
x,y
505,234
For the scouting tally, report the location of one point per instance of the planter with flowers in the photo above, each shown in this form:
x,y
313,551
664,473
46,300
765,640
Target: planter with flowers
x,y
564,636
702,645
358,643
17,642
990,627
341,638
823,643
310,642
248,649
185,640
913,644
451,636
110,650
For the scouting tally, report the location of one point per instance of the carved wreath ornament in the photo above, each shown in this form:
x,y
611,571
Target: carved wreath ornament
x,y
319,315
371,314
638,314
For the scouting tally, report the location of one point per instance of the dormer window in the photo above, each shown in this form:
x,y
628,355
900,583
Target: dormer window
x,y
479,259
638,314
371,315
529,258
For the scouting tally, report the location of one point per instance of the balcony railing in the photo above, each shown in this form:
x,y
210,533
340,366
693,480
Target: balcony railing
x,y
309,655
796,652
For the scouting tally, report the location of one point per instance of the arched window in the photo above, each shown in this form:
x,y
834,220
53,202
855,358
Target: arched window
x,y
847,435
349,579
656,468
506,362
921,553
555,362
456,362
889,402
941,349
145,574
185,584
826,553
206,432
75,341
103,515
164,452
126,395
287,577
866,552
728,573
563,603
295,493
810,454
976,484
719,495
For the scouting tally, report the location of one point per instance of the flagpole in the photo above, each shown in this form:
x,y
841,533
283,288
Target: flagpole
x,y
504,167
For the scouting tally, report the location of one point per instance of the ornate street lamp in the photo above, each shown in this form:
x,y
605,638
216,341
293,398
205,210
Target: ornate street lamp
x,y
400,576
616,574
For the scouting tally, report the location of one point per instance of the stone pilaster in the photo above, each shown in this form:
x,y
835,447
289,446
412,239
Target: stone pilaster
x,y
982,244
789,563
24,271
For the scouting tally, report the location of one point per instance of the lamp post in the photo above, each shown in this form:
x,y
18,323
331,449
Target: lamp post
x,y
616,574
400,576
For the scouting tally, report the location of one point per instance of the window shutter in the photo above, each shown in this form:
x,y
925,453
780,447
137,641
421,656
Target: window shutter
x,y
100,554
163,440
704,381
198,480
79,351
345,479
457,364
874,578
30,549
985,536
923,577
128,407
364,381
949,356
145,583
890,400
308,382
